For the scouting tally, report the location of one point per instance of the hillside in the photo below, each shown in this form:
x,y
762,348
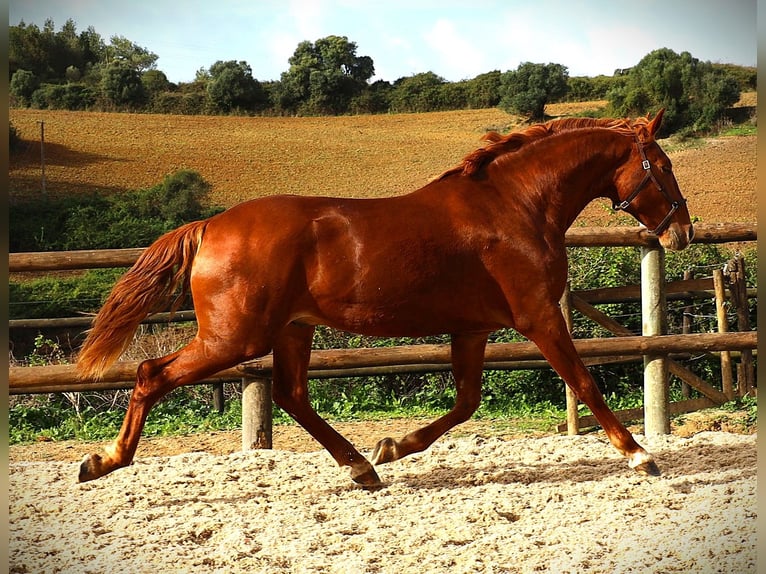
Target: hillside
x,y
349,156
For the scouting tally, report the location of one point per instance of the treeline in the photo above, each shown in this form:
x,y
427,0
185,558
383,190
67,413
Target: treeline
x,y
65,69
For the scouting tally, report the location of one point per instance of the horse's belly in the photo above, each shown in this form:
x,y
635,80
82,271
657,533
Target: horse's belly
x,y
410,315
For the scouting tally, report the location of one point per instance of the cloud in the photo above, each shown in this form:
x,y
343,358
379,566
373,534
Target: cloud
x,y
459,58
306,16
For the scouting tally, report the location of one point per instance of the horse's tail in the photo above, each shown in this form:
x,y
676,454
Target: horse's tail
x,y
145,289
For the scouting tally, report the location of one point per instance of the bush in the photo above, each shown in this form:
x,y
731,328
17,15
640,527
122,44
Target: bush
x,y
60,297
109,222
23,85
694,94
64,97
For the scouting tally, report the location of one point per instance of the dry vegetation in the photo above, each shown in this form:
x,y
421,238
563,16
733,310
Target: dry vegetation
x,y
350,156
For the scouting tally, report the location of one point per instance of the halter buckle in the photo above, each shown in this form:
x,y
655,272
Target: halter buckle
x,y
646,165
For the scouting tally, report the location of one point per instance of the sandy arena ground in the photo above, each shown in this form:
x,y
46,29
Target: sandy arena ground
x,y
469,504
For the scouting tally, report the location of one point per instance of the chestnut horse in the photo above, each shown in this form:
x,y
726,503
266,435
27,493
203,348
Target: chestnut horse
x,y
478,249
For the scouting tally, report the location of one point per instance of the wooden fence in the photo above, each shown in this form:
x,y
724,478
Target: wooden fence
x,y
653,346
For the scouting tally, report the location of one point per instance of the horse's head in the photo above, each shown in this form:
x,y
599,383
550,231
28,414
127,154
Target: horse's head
x,y
648,190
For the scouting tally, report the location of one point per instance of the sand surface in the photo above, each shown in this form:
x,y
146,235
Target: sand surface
x,y
469,504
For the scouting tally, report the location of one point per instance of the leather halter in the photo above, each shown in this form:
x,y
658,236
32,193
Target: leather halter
x,y
649,176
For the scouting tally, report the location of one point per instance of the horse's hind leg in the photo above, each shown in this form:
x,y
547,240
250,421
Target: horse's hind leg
x,y
292,350
467,365
154,379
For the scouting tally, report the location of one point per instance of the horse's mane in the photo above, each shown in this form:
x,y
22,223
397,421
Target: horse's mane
x,y
500,145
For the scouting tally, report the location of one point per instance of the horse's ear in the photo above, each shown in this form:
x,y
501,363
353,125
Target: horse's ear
x,y
654,125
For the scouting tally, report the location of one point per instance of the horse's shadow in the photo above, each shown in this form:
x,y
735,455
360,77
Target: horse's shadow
x,y
698,464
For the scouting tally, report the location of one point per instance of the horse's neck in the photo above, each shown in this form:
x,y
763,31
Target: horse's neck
x,y
577,167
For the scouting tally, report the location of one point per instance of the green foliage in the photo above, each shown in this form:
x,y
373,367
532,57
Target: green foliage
x,y
60,296
114,221
232,87
23,85
528,89
64,97
583,88
122,87
324,77
155,84
98,416
327,77
418,93
129,54
46,352
694,94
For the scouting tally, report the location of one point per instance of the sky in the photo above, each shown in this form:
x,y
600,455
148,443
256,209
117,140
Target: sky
x,y
455,39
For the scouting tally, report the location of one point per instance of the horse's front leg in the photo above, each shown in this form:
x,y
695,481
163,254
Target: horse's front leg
x,y
467,365
292,351
549,332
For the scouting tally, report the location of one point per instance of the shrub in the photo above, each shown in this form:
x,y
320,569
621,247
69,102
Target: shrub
x,y
109,221
23,85
694,94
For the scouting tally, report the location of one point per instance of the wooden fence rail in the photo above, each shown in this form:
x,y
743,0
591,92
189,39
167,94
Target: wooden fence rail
x,y
57,378
575,237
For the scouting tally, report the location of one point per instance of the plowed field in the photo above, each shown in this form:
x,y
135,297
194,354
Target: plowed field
x,y
357,156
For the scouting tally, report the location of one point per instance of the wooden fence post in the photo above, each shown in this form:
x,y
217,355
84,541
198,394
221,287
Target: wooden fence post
x,y
686,329
653,313
256,413
727,381
573,416
738,286
219,403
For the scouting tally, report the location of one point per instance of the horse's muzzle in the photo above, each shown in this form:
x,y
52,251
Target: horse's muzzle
x,y
677,237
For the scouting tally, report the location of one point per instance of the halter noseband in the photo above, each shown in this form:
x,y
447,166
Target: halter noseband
x,y
649,176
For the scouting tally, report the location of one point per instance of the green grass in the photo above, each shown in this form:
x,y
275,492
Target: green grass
x,y
746,129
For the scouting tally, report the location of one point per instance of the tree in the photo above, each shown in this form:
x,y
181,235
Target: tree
x,y
122,87
122,50
23,85
694,94
231,86
324,77
528,89
584,88
27,50
155,81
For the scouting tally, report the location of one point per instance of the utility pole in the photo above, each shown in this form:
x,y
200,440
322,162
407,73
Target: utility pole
x,y
42,155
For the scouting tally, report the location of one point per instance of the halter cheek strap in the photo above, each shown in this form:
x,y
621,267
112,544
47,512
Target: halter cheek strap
x,y
649,176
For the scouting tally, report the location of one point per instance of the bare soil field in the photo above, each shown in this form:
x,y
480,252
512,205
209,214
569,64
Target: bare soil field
x,y
352,156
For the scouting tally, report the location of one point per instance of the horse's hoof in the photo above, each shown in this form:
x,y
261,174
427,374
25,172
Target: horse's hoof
x,y
90,468
643,463
366,477
649,468
385,451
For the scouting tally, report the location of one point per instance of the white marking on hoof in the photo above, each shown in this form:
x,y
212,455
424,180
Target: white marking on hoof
x,y
639,458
